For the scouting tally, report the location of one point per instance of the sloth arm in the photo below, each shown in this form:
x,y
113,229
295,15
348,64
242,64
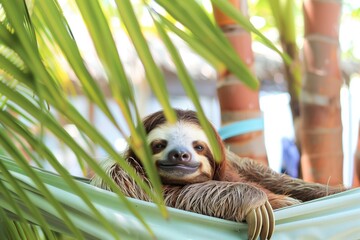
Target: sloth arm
x,y
233,201
227,200
279,183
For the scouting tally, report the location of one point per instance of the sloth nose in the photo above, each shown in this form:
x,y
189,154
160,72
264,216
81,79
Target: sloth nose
x,y
179,155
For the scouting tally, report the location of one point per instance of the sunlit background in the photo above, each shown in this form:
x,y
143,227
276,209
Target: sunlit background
x,y
274,100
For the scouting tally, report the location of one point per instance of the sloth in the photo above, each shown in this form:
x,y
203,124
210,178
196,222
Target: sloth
x,y
236,188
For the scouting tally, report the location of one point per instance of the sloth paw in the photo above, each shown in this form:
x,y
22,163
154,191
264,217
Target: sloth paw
x,y
261,222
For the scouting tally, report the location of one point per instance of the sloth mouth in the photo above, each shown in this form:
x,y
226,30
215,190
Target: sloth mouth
x,y
169,166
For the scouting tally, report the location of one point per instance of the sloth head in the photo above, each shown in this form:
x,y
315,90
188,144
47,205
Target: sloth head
x,y
181,151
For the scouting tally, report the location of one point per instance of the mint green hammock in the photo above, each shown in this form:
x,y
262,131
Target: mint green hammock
x,y
333,217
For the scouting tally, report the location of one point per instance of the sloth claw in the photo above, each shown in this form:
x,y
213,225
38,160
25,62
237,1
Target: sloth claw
x,y
271,217
260,222
265,228
251,221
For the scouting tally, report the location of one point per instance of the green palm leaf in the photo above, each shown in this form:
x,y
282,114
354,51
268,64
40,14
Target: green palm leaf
x,y
39,204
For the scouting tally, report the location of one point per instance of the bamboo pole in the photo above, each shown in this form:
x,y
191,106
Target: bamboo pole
x,y
321,133
237,101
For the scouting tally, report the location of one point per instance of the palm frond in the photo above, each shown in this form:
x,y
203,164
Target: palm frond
x,y
32,96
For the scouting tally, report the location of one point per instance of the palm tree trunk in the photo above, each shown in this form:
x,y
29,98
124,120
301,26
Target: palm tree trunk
x,y
321,133
356,177
237,101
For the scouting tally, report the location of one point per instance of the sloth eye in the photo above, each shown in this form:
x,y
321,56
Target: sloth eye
x,y
199,147
158,146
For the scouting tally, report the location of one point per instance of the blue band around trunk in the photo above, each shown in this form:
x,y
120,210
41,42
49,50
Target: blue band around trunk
x,y
241,127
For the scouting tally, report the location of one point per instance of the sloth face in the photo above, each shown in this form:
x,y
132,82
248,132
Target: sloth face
x,y
181,153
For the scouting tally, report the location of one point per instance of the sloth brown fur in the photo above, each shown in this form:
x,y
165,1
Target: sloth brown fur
x,y
237,189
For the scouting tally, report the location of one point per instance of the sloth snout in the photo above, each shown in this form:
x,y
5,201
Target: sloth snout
x,y
179,155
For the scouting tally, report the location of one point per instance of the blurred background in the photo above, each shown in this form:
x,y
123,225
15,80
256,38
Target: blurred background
x,y
268,68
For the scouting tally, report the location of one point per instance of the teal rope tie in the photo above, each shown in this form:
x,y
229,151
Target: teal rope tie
x,y
241,127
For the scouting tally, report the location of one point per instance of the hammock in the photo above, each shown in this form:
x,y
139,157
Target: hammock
x,y
333,217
